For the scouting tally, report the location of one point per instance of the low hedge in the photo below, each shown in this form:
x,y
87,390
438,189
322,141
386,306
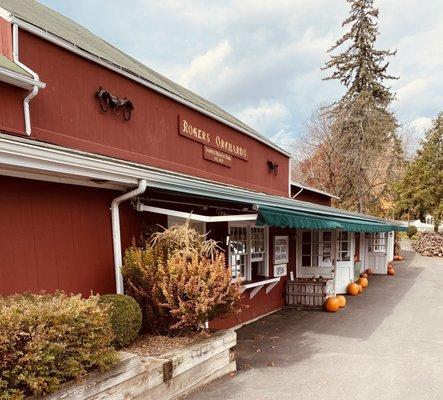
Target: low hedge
x,y
46,340
126,318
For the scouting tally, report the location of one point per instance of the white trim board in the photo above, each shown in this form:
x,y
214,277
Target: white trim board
x,y
197,217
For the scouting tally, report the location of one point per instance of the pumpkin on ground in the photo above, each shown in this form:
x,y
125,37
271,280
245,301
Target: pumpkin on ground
x,y
360,288
332,304
364,275
363,282
369,271
400,258
391,271
390,266
352,289
341,300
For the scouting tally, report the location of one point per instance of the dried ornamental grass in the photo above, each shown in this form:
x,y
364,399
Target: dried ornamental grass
x,y
46,340
180,280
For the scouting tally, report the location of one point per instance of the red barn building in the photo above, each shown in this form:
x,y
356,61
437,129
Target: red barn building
x,y
94,146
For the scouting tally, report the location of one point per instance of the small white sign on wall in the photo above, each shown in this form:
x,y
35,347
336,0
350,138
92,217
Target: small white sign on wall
x,y
280,270
281,249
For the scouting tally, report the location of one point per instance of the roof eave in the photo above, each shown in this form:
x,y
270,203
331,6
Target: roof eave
x,y
24,82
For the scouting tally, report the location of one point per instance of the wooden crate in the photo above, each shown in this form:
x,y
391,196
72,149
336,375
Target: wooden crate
x,y
308,295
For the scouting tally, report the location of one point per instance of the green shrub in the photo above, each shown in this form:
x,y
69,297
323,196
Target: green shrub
x,y
180,280
412,230
126,318
49,339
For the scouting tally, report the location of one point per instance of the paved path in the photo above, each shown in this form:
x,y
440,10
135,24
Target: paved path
x,y
386,344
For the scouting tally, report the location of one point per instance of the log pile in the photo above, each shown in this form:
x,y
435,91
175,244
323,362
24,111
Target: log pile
x,y
429,244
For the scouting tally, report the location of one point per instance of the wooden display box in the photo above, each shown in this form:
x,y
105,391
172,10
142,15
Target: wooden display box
x,y
308,294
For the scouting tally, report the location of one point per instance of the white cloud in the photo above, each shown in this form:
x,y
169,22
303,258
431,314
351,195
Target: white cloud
x,y
208,69
421,124
266,117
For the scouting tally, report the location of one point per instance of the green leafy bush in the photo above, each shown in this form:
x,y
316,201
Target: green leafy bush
x,y
180,280
412,230
49,339
126,318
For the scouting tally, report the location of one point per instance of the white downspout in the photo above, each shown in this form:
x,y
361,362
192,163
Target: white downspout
x,y
116,238
34,90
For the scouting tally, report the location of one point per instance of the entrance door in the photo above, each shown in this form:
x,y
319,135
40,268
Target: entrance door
x,y
377,252
344,271
315,254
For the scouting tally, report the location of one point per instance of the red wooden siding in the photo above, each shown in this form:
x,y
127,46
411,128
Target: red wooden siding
x,y
56,236
5,38
66,112
311,197
11,108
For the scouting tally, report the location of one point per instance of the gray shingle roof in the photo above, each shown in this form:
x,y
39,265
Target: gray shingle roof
x,y
56,24
6,63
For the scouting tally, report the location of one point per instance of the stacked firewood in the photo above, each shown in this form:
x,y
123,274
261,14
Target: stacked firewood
x,y
429,244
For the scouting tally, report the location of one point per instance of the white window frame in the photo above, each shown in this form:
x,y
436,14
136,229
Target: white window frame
x,y
248,264
378,242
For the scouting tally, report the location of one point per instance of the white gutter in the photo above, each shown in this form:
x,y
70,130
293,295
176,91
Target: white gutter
x,y
34,90
116,237
19,80
137,78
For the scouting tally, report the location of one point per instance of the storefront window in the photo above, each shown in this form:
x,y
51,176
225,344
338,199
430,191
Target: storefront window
x,y
377,242
316,248
247,251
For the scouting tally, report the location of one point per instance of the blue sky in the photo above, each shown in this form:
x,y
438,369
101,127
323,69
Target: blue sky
x,y
261,60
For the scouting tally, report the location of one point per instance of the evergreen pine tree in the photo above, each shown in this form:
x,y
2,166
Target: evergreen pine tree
x,y
363,124
421,190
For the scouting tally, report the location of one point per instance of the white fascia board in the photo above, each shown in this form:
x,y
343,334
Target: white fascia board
x,y
143,81
13,78
27,153
197,217
6,15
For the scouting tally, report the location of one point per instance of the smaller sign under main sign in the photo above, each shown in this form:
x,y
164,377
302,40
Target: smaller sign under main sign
x,y
217,156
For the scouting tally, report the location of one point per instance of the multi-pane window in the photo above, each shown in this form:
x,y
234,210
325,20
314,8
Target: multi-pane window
x,y
377,242
344,246
247,251
316,248
238,251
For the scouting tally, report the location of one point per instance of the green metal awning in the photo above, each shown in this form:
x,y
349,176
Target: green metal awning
x,y
285,218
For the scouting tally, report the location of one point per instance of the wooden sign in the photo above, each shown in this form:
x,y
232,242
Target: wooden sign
x,y
281,249
280,270
187,129
217,156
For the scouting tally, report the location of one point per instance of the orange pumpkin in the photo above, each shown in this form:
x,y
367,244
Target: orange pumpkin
x,y
400,258
332,304
360,288
390,266
364,275
341,300
391,271
363,282
369,271
352,289
395,258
